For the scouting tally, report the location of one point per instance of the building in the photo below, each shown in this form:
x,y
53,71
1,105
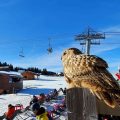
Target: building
x,y
4,68
29,75
10,82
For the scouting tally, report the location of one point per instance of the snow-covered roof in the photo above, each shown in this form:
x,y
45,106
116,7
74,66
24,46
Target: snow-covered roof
x,y
11,73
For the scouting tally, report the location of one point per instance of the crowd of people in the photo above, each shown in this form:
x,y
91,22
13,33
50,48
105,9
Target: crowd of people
x,y
40,112
36,106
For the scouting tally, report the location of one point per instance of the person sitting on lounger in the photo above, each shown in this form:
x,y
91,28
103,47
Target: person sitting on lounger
x,y
41,98
39,112
9,114
33,100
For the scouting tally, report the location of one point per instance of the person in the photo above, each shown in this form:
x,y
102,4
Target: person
x,y
9,114
54,94
39,112
64,91
41,98
47,97
33,100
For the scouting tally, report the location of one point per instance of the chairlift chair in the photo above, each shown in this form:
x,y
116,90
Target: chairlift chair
x,y
21,54
50,50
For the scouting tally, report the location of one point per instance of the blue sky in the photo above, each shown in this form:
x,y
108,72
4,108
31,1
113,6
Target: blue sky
x,y
28,24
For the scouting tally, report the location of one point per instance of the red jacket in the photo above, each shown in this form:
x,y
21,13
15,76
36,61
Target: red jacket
x,y
10,112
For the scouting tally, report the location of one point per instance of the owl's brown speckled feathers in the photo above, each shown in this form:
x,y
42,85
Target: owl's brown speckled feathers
x,y
89,71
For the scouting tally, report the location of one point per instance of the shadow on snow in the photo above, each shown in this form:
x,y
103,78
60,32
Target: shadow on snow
x,y
35,91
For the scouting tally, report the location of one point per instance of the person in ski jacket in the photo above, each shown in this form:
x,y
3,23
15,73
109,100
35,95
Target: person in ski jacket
x,y
34,100
10,114
39,112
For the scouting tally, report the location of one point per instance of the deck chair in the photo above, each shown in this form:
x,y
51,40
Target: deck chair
x,y
26,114
14,115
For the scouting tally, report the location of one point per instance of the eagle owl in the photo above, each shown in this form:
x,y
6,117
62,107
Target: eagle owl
x,y
90,71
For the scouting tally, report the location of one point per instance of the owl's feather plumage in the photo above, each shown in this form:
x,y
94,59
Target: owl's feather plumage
x,y
89,71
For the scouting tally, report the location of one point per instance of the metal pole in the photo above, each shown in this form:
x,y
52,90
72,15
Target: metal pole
x,y
87,39
88,46
88,42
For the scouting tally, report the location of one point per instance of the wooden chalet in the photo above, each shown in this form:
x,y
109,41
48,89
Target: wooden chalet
x,y
29,75
10,82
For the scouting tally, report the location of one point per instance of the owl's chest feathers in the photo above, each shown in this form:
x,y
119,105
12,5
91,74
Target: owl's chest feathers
x,y
77,67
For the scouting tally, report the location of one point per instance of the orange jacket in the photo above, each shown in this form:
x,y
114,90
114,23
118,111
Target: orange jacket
x,y
10,112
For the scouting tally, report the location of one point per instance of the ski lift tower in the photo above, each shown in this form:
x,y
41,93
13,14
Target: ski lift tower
x,y
89,38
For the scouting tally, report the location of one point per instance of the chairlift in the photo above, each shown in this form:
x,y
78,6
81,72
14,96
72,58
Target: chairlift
x,y
50,50
21,54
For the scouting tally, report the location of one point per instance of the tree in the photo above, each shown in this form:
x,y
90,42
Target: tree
x,y
4,64
44,72
11,67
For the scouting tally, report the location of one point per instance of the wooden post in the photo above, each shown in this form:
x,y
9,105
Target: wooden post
x,y
104,109
81,104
